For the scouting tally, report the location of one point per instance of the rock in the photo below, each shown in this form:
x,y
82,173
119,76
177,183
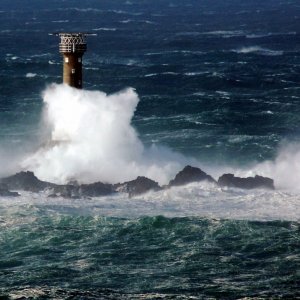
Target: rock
x,y
190,174
138,186
65,191
246,183
7,193
26,181
96,189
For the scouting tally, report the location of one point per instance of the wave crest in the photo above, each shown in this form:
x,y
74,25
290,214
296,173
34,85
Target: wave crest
x,y
90,138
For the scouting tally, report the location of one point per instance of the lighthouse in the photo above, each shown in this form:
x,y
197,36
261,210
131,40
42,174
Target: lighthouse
x,y
72,46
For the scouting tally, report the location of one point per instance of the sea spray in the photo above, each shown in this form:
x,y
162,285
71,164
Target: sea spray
x,y
91,138
285,169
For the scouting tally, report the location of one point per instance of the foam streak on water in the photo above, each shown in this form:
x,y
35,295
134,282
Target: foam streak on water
x,y
51,253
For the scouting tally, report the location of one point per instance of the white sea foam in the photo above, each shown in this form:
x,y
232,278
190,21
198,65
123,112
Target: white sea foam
x,y
197,199
91,138
31,75
104,29
258,50
61,21
285,169
263,35
225,33
196,73
126,21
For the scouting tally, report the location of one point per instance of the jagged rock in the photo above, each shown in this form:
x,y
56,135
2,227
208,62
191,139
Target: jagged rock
x,y
7,193
246,183
26,181
138,186
190,174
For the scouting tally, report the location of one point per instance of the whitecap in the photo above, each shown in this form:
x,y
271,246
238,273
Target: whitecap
x,y
196,73
61,21
126,21
31,75
262,35
151,75
104,29
258,50
225,33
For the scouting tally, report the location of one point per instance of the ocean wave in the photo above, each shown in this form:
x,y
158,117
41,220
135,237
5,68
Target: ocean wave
x,y
123,12
30,75
225,33
60,21
196,73
104,29
67,256
258,50
201,199
163,73
98,125
263,35
88,9
192,52
126,21
51,62
151,75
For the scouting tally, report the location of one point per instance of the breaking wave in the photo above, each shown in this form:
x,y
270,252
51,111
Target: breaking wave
x,y
90,137
258,50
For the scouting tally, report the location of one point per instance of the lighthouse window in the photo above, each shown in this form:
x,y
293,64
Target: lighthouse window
x,y
79,59
73,71
66,59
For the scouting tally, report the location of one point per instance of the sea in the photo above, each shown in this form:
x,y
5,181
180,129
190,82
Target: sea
x,y
167,83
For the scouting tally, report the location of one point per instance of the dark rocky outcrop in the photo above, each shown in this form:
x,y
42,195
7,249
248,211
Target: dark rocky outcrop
x,y
246,183
96,189
4,192
25,181
138,186
190,174
7,193
65,191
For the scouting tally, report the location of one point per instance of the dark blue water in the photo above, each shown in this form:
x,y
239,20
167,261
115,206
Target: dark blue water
x,y
206,73
217,81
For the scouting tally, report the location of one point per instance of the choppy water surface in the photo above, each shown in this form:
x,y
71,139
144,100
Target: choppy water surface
x,y
51,254
217,86
147,247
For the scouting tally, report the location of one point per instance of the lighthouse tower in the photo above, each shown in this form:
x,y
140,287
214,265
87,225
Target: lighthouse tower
x,y
72,46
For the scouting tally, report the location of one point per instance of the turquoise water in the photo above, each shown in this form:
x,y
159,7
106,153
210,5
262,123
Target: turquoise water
x,y
91,257
119,248
216,86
